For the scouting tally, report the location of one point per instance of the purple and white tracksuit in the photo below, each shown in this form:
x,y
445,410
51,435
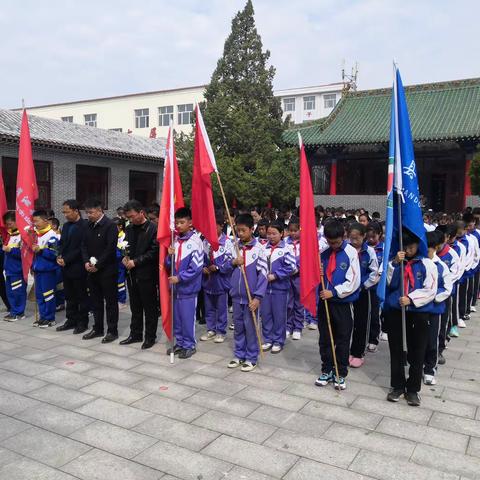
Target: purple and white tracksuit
x,y
296,312
188,268
217,284
281,263
255,263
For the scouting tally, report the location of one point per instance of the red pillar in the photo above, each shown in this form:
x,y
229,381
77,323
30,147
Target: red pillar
x,y
467,189
333,177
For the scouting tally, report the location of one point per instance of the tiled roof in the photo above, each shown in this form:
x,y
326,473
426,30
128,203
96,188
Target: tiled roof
x,y
438,112
64,135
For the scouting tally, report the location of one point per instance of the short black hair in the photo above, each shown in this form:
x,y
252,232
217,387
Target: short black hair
x,y
294,221
468,218
263,223
9,216
451,230
374,226
93,203
365,215
55,223
183,212
435,238
72,204
42,214
280,226
358,227
119,221
376,215
334,229
219,218
154,210
408,238
132,205
244,219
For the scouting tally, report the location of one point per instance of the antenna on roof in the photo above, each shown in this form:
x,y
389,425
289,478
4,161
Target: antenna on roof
x,y
349,80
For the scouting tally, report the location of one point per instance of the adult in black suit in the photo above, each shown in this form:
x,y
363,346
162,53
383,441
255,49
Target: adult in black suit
x,y
141,262
74,274
99,258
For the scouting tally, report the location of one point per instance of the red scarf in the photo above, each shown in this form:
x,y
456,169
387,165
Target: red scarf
x,y
179,254
245,249
332,265
444,251
408,277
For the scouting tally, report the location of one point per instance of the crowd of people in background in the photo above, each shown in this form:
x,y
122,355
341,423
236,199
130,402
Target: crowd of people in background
x,y
97,266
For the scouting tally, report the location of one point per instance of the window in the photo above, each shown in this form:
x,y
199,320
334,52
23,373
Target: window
x,y
44,182
329,101
91,119
116,129
309,103
289,104
67,119
165,116
92,183
143,187
185,114
141,118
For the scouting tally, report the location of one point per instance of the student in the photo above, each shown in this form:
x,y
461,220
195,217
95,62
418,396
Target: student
x,y
420,287
122,271
216,284
474,247
59,289
341,270
252,257
45,268
435,241
362,307
464,287
281,265
186,276
262,231
15,284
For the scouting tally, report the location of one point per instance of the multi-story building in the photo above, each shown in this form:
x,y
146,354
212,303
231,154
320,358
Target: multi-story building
x,y
149,114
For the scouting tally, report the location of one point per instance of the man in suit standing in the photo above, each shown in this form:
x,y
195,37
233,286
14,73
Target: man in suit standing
x,y
99,258
74,274
141,261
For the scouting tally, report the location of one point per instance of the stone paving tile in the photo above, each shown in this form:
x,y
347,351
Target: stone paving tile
x,y
100,465
62,397
169,407
274,399
462,397
5,346
321,394
115,392
46,447
165,388
211,384
306,469
12,403
160,371
55,419
258,379
183,463
240,473
473,447
179,433
250,455
10,427
455,424
8,457
114,361
15,382
38,343
25,367
25,468
114,375
67,379
69,363
223,403
72,351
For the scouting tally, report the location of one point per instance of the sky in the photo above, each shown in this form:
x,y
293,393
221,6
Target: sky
x,y
62,50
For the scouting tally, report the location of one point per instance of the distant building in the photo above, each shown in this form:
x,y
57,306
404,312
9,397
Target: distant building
x,y
77,161
348,150
149,114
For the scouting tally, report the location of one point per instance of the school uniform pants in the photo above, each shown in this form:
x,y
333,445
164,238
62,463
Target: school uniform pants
x,y
341,317
216,312
244,335
417,326
375,322
455,308
77,301
143,303
273,310
470,293
121,285
431,353
59,288
45,283
295,310
361,320
462,298
184,314
445,320
103,295
17,293
476,287
3,291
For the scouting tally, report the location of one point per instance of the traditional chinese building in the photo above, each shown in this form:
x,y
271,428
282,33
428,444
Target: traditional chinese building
x,y
348,151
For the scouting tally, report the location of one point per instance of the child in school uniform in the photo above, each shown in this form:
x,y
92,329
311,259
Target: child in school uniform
x,y
474,247
216,284
467,257
59,290
252,257
15,284
369,277
122,271
186,276
281,265
262,231
341,271
420,287
45,268
435,240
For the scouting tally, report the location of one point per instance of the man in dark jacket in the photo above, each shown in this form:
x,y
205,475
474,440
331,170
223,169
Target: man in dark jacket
x,y
141,261
74,274
99,258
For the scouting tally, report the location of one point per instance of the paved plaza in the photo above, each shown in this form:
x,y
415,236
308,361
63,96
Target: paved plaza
x,y
75,409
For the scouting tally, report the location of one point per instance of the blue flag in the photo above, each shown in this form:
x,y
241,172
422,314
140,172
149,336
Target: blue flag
x,y
403,198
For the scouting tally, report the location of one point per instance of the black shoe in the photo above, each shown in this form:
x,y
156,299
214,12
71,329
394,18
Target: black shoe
x,y
148,344
187,353
201,321
65,326
413,399
80,329
130,340
394,395
441,359
176,350
92,334
109,337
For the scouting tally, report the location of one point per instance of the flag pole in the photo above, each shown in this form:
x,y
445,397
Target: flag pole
x,y
172,300
172,242
242,267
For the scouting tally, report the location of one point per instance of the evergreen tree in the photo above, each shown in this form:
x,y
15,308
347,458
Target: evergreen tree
x,y
474,173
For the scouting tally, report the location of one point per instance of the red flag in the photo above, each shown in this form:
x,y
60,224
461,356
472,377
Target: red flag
x,y
203,211
309,252
27,193
172,200
3,209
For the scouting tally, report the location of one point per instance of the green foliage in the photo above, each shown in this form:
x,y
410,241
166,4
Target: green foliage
x,y
474,173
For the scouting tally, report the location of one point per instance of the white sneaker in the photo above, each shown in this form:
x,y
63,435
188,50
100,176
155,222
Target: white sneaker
x,y
473,309
266,347
277,348
312,326
207,336
248,367
372,348
384,337
461,323
288,333
219,339
429,380
230,309
236,362
231,326
297,335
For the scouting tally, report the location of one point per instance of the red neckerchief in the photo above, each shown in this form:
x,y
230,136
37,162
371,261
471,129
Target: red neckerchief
x,y
332,265
408,277
444,250
179,253
245,249
295,245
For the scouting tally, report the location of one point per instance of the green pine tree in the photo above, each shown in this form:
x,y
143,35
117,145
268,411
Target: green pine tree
x,y
474,173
